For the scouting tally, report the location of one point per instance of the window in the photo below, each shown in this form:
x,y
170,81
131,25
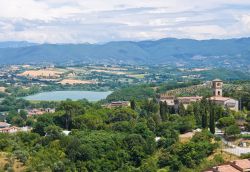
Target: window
x,y
218,93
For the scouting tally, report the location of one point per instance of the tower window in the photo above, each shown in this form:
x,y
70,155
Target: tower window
x,y
218,93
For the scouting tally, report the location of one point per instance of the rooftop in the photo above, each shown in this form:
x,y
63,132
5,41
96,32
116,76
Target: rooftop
x,y
233,166
220,98
217,80
225,168
190,97
242,164
4,124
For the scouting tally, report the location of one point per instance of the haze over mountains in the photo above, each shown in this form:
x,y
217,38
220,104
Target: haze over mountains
x,y
231,52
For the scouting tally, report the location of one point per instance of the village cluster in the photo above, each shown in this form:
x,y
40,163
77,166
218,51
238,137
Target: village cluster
x,y
218,98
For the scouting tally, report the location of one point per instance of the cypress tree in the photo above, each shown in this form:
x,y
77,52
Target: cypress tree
x,y
132,104
212,121
204,119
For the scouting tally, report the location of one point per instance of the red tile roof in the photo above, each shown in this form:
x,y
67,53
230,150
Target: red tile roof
x,y
233,166
243,164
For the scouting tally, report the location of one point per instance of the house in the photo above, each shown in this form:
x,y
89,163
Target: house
x,y
39,111
9,130
118,104
4,125
233,166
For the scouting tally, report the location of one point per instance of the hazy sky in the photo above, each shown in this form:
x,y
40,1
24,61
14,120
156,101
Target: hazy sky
x,y
74,21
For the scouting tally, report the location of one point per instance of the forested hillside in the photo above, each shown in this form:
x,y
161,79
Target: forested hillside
x,y
165,51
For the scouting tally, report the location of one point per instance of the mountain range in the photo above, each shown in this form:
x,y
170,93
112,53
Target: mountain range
x,y
229,52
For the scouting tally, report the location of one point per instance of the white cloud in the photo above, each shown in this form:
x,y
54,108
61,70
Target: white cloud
x,y
202,32
245,19
74,21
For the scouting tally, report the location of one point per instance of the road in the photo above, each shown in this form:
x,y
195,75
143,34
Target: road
x,y
234,149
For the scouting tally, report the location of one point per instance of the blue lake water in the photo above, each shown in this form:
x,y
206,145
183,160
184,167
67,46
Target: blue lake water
x,y
73,95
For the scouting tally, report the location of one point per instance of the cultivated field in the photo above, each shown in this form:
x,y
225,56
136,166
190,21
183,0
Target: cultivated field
x,y
53,73
2,89
75,81
109,71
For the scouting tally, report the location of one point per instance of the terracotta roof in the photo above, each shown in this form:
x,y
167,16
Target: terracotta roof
x,y
243,164
217,80
225,168
191,97
9,128
220,98
4,124
166,96
233,166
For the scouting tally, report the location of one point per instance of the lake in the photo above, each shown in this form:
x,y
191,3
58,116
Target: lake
x,y
73,95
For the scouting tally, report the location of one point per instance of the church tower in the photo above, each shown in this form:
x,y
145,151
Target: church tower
x,y
217,87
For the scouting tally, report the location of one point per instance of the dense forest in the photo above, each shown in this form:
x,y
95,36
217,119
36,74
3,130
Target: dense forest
x,y
142,137
120,139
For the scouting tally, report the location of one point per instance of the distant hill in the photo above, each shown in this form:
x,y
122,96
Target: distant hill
x,y
13,44
231,52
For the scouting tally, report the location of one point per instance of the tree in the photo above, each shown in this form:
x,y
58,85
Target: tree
x,y
186,124
132,104
23,114
212,121
43,122
204,108
226,122
151,124
164,111
53,132
232,131
135,144
204,119
150,106
71,108
182,111
162,108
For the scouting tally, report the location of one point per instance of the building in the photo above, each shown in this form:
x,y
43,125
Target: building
x,y
4,125
227,102
217,88
175,101
118,104
39,111
188,100
170,100
233,166
12,129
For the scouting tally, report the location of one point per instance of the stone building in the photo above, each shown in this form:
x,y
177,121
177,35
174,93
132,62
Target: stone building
x,y
217,88
227,102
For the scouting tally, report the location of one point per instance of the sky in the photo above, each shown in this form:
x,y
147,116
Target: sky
x,y
98,21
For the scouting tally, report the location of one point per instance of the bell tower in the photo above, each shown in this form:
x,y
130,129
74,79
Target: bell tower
x,y
217,87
